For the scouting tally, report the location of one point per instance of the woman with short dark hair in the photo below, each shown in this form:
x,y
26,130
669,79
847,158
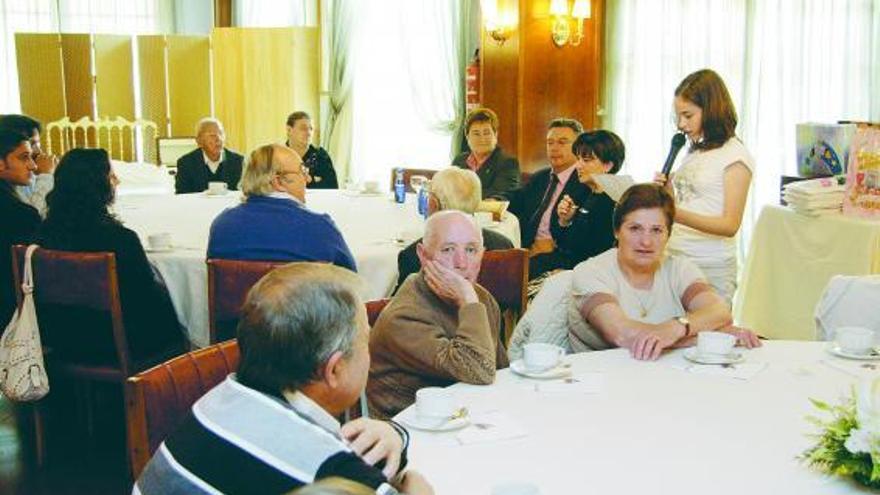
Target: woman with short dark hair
x,y
584,228
322,175
634,296
79,219
498,173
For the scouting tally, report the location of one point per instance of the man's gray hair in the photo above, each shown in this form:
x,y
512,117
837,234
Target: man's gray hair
x,y
293,320
457,189
205,122
435,221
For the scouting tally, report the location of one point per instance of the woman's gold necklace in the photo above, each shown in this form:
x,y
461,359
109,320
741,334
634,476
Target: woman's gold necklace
x,y
645,308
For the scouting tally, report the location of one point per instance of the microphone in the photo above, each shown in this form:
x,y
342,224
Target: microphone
x,y
674,147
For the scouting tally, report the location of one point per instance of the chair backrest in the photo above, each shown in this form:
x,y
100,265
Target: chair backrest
x,y
228,284
505,274
68,281
848,301
374,308
159,399
409,172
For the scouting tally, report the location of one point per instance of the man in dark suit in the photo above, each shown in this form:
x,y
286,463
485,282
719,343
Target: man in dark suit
x,y
451,189
535,204
498,173
18,220
211,162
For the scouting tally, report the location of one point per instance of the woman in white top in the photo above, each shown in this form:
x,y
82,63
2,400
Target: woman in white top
x,y
712,183
635,296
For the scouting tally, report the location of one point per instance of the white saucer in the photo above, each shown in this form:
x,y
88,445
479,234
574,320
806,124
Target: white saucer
x,y
409,418
370,193
216,195
166,249
559,371
835,349
693,355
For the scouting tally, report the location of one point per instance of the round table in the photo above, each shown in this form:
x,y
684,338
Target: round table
x,y
374,227
653,427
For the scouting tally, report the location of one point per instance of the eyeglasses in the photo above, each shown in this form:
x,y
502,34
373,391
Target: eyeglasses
x,y
640,230
586,157
302,171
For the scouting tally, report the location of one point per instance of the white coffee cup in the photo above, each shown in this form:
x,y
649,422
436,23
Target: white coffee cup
x,y
483,218
716,343
539,356
162,240
516,488
434,403
854,340
217,188
371,186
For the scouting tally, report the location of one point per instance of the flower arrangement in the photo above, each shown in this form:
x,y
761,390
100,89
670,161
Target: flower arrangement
x,y
848,444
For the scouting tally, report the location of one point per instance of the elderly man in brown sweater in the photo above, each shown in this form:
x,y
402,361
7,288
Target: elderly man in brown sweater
x,y
441,327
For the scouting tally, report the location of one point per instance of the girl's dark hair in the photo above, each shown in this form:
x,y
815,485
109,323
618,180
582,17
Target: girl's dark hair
x,y
644,197
81,195
706,89
604,145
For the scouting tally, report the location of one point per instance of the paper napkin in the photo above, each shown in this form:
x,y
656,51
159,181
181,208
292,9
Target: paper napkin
x,y
491,426
739,371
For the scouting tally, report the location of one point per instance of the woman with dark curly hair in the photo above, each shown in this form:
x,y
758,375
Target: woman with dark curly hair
x,y
78,219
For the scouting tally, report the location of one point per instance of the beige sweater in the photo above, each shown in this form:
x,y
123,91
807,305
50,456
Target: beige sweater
x,y
421,341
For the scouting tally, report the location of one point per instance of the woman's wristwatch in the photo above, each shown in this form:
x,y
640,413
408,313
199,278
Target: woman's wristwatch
x,y
687,325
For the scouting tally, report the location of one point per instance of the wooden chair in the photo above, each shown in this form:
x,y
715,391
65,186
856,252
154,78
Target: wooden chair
x,y
505,274
374,308
160,398
228,284
77,294
409,172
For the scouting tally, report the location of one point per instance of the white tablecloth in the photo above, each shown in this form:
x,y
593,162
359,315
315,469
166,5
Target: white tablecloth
x,y
369,224
142,178
654,429
791,259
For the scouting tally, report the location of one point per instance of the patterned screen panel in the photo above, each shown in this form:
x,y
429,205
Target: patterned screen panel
x,y
189,81
114,81
40,76
154,93
79,85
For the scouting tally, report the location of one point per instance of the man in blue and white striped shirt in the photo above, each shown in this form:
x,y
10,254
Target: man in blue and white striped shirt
x,y
272,427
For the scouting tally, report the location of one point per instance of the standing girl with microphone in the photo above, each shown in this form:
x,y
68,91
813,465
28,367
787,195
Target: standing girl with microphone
x,y
712,183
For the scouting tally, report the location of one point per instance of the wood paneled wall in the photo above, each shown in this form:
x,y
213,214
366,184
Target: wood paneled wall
x,y
529,80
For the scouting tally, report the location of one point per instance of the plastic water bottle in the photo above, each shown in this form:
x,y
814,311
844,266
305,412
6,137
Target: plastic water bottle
x,y
399,186
423,200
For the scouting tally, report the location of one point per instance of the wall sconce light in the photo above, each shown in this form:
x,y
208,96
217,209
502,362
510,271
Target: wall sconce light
x,y
498,29
561,31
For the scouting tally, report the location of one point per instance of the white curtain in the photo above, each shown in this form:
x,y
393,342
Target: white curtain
x,y
784,62
436,85
115,16
338,27
19,16
395,125
274,13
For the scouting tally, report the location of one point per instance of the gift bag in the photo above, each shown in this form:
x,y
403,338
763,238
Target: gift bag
x,y
22,370
863,177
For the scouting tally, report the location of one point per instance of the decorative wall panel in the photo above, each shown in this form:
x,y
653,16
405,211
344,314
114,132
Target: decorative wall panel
x,y
114,81
189,82
79,85
40,76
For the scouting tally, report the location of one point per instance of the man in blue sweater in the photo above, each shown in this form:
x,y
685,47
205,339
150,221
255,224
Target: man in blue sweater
x,y
273,223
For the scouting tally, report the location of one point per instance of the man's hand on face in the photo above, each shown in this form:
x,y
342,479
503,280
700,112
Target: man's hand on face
x,y
448,285
374,441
